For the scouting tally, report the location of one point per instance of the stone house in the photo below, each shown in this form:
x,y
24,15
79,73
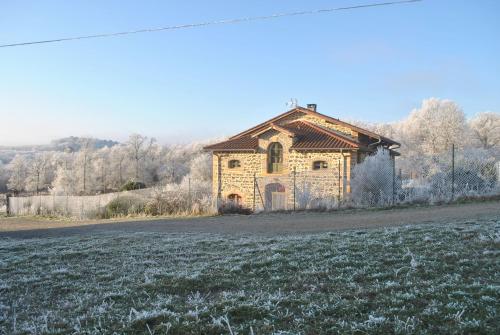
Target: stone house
x,y
258,168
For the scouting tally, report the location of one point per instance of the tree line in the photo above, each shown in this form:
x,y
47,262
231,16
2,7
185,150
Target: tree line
x,y
426,133
139,162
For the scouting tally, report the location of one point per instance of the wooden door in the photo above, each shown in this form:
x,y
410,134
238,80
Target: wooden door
x,y
278,201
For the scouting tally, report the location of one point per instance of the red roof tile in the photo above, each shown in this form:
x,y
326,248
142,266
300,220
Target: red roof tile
x,y
245,143
309,136
321,116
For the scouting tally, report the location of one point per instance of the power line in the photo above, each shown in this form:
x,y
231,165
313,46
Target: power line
x,y
210,23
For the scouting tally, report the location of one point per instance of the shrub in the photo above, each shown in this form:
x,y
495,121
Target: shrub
x,y
132,185
372,180
230,207
151,208
124,206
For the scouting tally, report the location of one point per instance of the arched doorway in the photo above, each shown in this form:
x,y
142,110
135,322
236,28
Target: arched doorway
x,y
275,197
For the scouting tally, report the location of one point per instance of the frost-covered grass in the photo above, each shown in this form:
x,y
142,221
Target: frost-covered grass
x,y
416,279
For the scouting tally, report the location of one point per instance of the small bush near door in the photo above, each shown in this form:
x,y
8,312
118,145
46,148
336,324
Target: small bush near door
x,y
231,207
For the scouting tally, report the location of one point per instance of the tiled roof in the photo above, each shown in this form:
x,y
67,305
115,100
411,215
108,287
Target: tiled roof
x,y
244,143
309,136
321,116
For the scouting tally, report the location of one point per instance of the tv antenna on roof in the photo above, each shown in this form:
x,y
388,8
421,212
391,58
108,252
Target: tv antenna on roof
x,y
291,104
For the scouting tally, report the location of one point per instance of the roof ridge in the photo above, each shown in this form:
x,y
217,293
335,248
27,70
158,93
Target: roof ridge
x,y
291,111
322,116
272,126
330,133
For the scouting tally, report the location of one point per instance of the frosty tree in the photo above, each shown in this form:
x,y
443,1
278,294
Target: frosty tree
x,y
118,167
485,129
36,180
3,177
17,168
138,148
83,164
435,126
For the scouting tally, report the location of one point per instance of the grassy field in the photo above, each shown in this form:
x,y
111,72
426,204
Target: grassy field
x,y
426,279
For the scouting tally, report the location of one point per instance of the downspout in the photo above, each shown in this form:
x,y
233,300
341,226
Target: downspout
x,y
344,177
376,143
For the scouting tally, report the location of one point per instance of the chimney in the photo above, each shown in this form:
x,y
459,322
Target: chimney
x,y
312,107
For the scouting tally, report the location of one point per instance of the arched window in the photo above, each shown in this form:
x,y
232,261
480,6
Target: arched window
x,y
320,165
234,164
234,198
275,158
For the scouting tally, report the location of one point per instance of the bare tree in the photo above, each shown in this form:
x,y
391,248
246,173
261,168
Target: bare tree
x,y
101,163
83,161
138,148
17,168
118,156
36,179
3,177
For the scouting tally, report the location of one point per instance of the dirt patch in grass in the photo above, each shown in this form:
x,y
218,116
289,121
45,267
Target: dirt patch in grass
x,y
269,224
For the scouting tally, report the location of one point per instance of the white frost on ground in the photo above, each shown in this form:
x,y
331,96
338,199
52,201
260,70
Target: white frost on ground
x,y
430,279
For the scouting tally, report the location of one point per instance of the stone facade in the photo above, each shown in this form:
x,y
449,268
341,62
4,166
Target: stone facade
x,y
250,181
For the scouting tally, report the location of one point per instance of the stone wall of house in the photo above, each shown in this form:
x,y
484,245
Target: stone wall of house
x,y
323,183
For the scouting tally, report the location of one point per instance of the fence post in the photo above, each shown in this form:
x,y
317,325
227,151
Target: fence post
x,y
254,181
189,194
393,181
7,205
339,183
294,187
452,171
260,195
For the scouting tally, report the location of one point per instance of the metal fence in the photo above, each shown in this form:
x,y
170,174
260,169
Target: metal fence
x,y
380,182
170,199
3,203
300,190
373,183
67,205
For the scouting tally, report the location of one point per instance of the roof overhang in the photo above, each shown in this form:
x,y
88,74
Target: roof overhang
x,y
230,150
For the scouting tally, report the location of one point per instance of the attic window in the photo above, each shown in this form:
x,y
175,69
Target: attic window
x,y
234,164
320,165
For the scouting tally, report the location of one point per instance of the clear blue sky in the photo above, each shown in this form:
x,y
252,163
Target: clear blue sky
x,y
371,64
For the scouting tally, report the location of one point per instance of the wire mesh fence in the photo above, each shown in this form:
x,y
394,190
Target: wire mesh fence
x,y
300,190
448,177
163,200
3,203
379,182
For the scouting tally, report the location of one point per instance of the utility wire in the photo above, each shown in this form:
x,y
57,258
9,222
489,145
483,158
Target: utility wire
x,y
210,23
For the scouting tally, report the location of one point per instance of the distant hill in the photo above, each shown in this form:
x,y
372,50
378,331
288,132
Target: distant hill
x,y
71,143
